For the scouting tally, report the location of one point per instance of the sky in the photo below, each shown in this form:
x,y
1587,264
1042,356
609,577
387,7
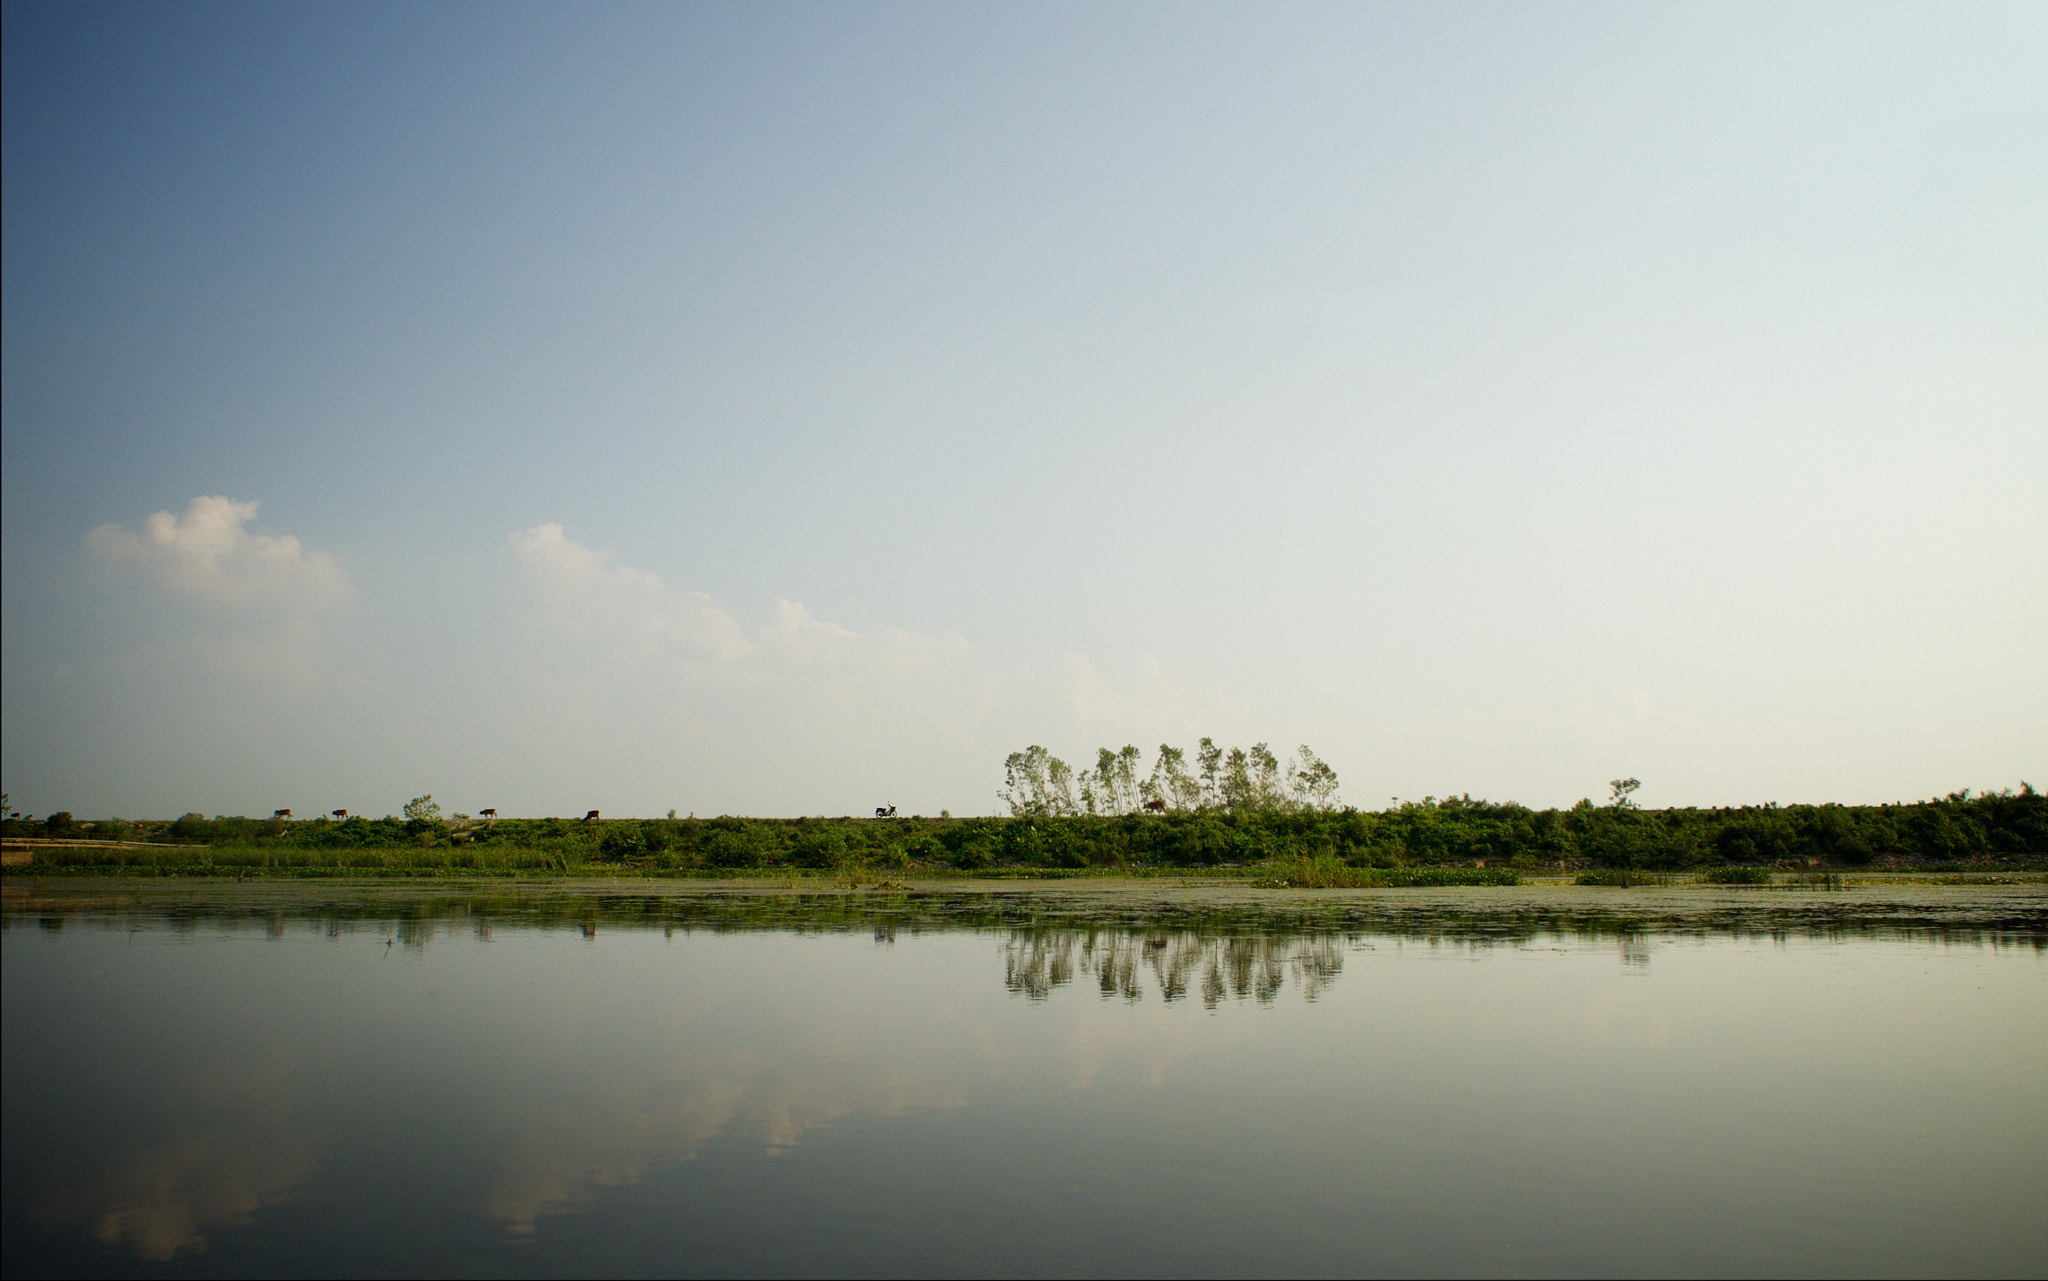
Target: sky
x,y
793,409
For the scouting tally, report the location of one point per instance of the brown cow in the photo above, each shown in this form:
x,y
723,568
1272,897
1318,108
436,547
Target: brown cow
x,y
488,813
1158,807
341,813
591,817
280,813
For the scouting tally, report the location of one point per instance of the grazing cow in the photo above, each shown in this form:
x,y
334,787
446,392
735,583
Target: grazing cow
x,y
885,811
488,813
591,817
280,813
1157,807
341,813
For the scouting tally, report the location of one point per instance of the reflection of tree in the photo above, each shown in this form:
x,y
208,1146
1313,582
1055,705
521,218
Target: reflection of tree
x,y
1035,961
412,914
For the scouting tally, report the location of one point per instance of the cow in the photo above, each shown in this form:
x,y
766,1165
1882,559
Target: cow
x,y
591,817
488,813
885,811
341,814
1157,807
280,813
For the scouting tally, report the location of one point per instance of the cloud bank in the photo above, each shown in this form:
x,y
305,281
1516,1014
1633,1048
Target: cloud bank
x,y
208,553
635,614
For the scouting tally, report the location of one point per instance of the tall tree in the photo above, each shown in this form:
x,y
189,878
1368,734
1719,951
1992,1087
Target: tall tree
x,y
1311,780
1170,783
1037,784
1209,759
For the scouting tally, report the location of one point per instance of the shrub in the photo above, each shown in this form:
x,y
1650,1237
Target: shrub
x,y
740,844
1737,876
820,846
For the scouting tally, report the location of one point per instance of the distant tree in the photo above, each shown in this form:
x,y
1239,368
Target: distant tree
x,y
422,809
1267,791
1312,782
1170,783
1037,784
1112,787
1209,761
1251,780
1623,789
1040,785
190,824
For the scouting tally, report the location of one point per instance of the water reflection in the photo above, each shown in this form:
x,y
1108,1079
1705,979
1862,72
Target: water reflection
x,y
185,1064
1037,961
242,1142
412,914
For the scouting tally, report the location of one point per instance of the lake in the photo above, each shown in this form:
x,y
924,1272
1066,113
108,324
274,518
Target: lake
x,y
1000,1078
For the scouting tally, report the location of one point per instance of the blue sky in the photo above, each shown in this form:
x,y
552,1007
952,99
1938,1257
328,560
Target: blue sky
x,y
796,409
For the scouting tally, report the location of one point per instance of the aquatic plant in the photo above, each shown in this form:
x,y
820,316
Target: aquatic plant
x,y
1329,873
1736,876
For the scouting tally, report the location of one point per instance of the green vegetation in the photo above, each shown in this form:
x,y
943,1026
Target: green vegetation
x,y
1236,808
1737,876
1328,873
1301,844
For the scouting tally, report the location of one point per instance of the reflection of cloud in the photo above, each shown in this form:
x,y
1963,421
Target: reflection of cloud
x,y
159,1200
1038,961
207,553
612,1137
163,1201
563,1159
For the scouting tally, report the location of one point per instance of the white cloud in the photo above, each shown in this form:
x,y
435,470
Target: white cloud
x,y
209,554
1150,704
646,687
1612,717
588,591
592,594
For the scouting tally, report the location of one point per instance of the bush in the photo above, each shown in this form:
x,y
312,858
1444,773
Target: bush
x,y
738,843
820,846
976,851
1618,877
1737,876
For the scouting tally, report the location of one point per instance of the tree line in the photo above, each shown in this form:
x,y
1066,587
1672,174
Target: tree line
x,y
1961,827
1037,784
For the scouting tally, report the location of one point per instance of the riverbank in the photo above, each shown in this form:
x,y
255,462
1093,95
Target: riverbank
x,y
91,860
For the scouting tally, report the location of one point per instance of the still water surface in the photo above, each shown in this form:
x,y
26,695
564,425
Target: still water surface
x,y
1003,1080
